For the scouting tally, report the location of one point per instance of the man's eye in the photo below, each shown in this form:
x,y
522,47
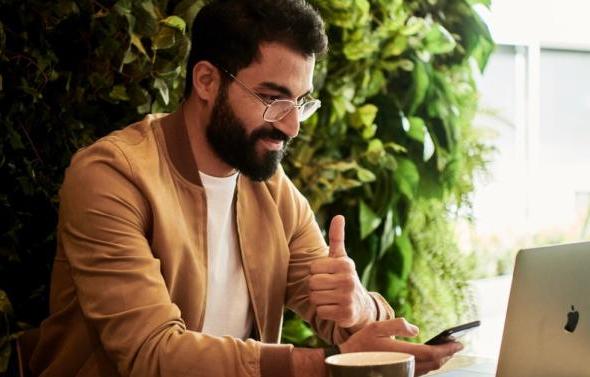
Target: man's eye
x,y
269,98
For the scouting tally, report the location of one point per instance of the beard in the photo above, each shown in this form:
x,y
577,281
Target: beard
x,y
229,139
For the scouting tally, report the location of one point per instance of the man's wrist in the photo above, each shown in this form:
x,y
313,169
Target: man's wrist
x,y
370,313
308,362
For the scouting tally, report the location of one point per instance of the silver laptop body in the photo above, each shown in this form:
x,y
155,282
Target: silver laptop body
x,y
547,328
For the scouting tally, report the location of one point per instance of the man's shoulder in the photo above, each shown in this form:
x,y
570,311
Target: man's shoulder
x,y
136,142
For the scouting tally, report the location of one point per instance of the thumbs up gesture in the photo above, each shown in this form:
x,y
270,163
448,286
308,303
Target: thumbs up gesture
x,y
334,286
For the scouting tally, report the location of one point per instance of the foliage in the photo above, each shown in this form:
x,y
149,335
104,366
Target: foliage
x,y
397,99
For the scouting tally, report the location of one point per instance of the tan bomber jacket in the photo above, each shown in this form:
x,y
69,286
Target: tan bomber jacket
x,y
129,278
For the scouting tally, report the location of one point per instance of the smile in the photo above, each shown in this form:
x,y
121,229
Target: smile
x,y
272,144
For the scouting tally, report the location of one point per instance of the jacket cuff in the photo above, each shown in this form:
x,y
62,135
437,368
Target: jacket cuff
x,y
275,360
384,310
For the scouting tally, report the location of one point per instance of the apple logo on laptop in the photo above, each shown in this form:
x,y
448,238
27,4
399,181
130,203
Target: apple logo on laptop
x,y
572,320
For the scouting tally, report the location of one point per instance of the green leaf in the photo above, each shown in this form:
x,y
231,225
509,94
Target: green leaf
x,y
165,38
368,275
123,7
417,129
147,19
136,41
187,10
414,25
396,47
487,3
163,90
296,331
406,253
5,305
16,142
368,220
388,235
2,39
5,352
365,175
439,40
419,89
119,93
343,165
364,116
407,177
175,22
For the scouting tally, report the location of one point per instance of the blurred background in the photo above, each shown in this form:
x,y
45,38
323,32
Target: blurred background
x,y
535,102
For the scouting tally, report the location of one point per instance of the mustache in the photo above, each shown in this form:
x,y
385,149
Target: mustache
x,y
270,133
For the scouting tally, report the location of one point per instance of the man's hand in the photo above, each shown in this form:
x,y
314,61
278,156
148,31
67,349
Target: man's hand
x,y
380,336
334,286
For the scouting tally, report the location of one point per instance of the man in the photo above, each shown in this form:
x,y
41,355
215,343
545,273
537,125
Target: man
x,y
181,240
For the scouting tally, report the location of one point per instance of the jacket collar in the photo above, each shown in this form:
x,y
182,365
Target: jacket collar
x,y
178,146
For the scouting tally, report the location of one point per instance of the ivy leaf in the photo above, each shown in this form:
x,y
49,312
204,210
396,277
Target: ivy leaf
x,y
439,41
396,47
417,129
365,175
163,90
165,38
2,39
406,253
414,25
187,9
388,235
119,93
364,116
407,177
368,219
16,142
175,22
136,41
296,331
420,85
487,3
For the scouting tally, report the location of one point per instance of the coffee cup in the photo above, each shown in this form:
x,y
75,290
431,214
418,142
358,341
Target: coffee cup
x,y
371,364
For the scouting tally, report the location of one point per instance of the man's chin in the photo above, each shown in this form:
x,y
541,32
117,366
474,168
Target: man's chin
x,y
265,167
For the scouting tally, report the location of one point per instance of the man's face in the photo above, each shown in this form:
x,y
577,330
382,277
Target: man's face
x,y
237,130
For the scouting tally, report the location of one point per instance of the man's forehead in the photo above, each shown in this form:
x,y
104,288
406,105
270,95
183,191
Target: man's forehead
x,y
279,65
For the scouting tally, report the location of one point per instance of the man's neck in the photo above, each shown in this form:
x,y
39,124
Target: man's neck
x,y
206,158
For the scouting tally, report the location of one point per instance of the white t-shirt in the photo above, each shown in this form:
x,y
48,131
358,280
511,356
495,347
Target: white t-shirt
x,y
228,309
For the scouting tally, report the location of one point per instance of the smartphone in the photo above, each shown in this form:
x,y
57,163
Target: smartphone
x,y
452,334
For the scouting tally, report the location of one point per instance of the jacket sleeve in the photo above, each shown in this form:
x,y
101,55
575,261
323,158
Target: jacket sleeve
x,y
104,220
306,245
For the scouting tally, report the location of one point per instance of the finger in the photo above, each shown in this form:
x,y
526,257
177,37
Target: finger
x,y
329,297
395,327
448,349
332,266
322,282
420,351
336,235
423,367
329,312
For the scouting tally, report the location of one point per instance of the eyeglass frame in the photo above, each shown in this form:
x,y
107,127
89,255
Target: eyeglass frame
x,y
269,104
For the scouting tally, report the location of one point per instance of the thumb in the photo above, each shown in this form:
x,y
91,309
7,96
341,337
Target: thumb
x,y
336,235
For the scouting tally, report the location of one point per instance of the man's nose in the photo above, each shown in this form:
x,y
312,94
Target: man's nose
x,y
289,125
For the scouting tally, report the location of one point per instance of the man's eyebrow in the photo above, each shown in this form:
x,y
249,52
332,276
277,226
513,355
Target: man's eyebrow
x,y
280,88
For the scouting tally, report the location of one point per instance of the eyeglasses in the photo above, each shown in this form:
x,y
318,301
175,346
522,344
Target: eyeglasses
x,y
278,109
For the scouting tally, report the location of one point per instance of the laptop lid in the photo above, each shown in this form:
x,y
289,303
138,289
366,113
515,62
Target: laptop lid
x,y
547,329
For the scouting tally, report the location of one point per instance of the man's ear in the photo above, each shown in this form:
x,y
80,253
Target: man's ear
x,y
206,81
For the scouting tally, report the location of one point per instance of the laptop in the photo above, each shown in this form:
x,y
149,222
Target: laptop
x,y
547,328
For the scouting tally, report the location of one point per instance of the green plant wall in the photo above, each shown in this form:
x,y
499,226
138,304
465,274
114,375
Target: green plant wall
x,y
392,141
